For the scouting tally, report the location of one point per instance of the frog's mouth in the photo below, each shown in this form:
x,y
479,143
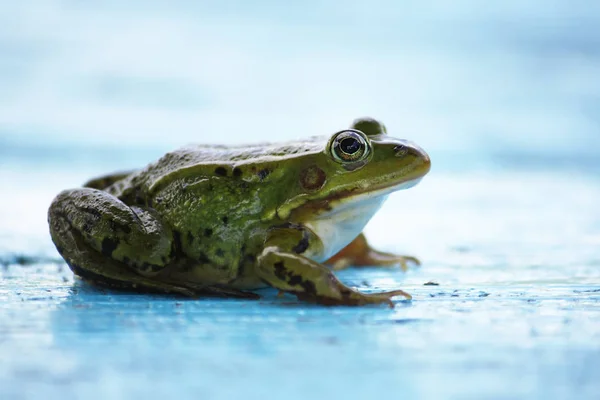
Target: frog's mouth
x,y
356,197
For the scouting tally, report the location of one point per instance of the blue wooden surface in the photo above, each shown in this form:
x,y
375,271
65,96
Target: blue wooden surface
x,y
502,94
516,313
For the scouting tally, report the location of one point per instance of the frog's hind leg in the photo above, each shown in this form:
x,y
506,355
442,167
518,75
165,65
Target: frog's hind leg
x,y
105,272
108,243
359,253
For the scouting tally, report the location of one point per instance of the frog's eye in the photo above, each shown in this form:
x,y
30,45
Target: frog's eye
x,y
349,146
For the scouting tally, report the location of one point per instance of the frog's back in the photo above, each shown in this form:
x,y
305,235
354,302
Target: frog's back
x,y
210,159
215,154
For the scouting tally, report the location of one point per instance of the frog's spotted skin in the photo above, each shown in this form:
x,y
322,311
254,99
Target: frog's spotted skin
x,y
221,220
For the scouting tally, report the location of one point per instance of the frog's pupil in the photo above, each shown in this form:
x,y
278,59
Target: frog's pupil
x,y
349,145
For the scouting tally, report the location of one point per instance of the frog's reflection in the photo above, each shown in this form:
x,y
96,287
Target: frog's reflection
x,y
89,314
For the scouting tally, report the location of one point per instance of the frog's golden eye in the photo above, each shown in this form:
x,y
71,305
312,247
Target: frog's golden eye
x,y
349,146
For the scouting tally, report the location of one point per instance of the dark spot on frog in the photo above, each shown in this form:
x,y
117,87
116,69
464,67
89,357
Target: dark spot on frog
x,y
302,244
345,293
86,228
237,172
108,246
220,253
118,227
225,220
177,249
312,178
309,287
221,171
208,232
295,280
203,258
304,241
250,258
279,269
126,260
263,173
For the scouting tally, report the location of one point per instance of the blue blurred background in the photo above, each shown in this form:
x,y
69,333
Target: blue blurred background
x,y
492,78
504,95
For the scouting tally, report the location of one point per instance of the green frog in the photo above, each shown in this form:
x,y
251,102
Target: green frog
x,y
222,220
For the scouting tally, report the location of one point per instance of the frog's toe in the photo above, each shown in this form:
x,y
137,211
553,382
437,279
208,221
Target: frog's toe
x,y
403,261
359,253
355,298
406,259
376,259
381,298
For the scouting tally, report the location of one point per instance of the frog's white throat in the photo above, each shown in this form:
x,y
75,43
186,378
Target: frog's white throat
x,y
338,227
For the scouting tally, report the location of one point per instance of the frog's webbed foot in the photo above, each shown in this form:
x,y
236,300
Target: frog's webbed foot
x,y
311,281
359,253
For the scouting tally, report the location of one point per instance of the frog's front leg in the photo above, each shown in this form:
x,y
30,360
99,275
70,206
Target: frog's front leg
x,y
283,266
359,253
104,240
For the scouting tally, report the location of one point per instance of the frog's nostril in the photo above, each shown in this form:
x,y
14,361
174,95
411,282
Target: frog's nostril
x,y
400,150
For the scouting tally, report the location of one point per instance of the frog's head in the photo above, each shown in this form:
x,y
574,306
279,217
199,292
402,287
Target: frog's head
x,y
353,174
